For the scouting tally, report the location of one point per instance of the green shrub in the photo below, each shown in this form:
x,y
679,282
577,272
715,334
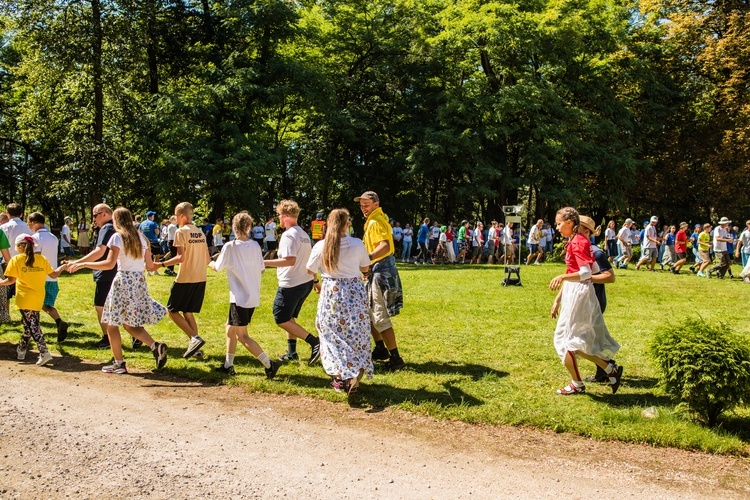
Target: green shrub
x,y
705,367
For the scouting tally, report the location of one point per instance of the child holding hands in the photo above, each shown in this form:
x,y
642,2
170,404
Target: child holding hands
x,y
30,270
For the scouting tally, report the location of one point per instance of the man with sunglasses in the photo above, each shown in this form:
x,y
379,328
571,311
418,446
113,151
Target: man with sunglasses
x,y
102,217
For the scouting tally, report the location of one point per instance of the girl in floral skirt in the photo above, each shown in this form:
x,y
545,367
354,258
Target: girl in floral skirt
x,y
128,303
342,319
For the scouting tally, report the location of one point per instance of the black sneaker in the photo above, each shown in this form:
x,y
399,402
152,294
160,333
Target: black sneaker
x,y
135,343
271,372
315,354
380,354
62,332
618,378
229,371
285,358
394,364
103,343
160,355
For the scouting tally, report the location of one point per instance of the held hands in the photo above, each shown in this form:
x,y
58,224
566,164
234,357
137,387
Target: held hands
x,y
317,287
72,267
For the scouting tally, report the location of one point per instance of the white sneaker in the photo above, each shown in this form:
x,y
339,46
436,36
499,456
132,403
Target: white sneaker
x,y
194,346
21,350
44,358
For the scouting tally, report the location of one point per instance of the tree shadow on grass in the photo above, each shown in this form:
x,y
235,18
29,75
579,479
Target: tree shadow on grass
x,y
406,268
631,400
735,426
383,395
476,372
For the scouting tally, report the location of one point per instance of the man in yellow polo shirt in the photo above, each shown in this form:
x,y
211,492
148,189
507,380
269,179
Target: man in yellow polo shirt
x,y
384,290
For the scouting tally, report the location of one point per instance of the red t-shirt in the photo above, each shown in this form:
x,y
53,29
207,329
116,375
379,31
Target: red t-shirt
x,y
449,235
680,242
578,254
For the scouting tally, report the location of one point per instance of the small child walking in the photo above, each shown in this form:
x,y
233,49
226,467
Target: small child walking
x,y
30,270
580,327
243,260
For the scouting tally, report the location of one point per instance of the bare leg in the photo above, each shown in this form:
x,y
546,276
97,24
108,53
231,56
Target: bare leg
x,y
103,326
139,333
294,329
190,329
389,336
376,336
115,341
52,312
572,366
601,363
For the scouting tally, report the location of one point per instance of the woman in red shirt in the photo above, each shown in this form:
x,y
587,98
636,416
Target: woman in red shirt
x,y
580,327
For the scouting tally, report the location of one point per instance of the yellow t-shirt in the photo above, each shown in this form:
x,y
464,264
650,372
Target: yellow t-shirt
x,y
377,229
29,280
194,253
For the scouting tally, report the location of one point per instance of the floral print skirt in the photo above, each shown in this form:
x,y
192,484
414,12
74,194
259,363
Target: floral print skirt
x,y
129,303
343,323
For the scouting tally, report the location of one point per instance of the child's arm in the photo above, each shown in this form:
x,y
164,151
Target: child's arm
x,y
9,280
57,272
102,265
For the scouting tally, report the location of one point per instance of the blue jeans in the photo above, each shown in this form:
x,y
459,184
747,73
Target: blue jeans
x,y
745,258
406,253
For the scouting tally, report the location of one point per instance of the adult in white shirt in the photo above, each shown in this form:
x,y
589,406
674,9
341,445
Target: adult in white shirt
x,y
48,244
610,238
295,284
128,303
625,244
243,260
12,229
649,245
720,239
408,235
270,238
66,244
508,247
534,242
743,245
342,319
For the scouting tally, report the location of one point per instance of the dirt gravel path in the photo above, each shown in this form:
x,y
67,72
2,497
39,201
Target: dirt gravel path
x,y
83,434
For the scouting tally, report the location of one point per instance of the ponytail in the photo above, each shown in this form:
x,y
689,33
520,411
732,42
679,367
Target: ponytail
x,y
336,223
28,249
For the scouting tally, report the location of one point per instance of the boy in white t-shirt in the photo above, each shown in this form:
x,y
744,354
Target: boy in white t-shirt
x,y
270,238
295,284
243,260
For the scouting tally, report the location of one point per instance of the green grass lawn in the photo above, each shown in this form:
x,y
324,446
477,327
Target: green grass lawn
x,y
475,351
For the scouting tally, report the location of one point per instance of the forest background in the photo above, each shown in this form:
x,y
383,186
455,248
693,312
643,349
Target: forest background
x,y
446,108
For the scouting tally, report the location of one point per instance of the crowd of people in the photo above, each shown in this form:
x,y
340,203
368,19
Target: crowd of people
x,y
357,279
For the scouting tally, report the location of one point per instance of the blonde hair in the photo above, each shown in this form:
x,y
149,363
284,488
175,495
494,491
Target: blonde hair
x,y
122,219
241,224
184,208
288,207
336,223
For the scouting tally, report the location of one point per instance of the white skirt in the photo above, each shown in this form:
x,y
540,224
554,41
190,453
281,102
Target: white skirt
x,y
580,325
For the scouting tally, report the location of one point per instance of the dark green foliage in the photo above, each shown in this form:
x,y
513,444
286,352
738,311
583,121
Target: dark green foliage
x,y
706,367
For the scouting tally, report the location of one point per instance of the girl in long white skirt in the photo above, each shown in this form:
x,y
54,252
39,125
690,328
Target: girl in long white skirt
x,y
342,320
580,327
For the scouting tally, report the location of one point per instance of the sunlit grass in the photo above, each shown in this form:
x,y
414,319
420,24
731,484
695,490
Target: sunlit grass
x,y
476,351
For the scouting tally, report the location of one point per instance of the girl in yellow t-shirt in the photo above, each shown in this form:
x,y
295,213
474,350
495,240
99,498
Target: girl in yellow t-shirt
x,y
30,271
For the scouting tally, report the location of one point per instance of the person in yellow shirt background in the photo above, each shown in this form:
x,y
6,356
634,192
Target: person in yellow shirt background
x,y
384,291
318,228
30,270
